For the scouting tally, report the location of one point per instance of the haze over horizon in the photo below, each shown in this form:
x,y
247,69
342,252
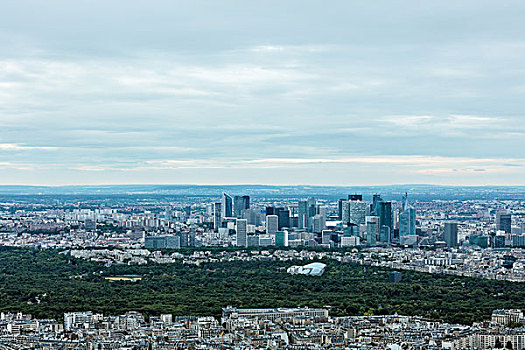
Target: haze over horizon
x,y
230,92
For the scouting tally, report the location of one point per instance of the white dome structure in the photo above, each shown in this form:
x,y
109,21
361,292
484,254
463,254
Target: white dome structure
x,y
313,269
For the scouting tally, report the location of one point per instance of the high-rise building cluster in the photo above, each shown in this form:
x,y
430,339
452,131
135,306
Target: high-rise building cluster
x,y
289,221
307,222
352,221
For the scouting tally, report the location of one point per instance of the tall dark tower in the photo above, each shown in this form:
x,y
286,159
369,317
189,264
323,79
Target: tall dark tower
x,y
385,215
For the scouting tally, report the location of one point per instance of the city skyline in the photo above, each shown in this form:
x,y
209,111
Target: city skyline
x,y
281,93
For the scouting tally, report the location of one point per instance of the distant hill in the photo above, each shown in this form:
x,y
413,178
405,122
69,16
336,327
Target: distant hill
x,y
421,192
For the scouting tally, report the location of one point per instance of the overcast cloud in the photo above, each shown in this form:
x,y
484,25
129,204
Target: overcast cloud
x,y
270,92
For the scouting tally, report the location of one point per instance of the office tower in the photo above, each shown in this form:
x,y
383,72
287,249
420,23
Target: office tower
x,y
385,215
272,224
318,223
253,216
240,203
281,238
345,217
284,217
242,233
351,230
395,219
209,209
303,214
227,206
340,209
270,210
253,241
407,222
450,234
321,210
355,197
326,236
358,212
385,235
217,218
371,234
307,210
503,221
312,209
376,199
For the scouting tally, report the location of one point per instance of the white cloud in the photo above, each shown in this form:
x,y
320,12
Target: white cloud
x,y
444,123
305,94
415,161
18,147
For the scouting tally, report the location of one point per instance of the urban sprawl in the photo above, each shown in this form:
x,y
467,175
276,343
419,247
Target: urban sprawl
x,y
475,238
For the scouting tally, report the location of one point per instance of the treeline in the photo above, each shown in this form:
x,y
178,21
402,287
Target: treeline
x,y
47,284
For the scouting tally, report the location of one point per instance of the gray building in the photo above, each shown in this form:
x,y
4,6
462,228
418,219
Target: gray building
x,y
226,206
407,222
371,234
272,224
242,233
450,233
217,218
240,203
355,212
162,242
504,221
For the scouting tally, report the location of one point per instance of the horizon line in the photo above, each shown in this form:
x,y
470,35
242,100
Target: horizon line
x,y
255,184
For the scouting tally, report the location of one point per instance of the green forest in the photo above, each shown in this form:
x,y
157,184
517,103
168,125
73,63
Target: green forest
x,y
46,283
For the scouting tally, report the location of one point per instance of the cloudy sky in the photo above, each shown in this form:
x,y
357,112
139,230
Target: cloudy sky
x,y
263,92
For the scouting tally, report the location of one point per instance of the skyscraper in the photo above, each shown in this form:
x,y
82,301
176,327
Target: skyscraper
x,y
217,218
318,223
376,199
240,203
272,224
345,215
253,216
326,236
242,233
354,211
371,234
407,222
450,234
340,209
303,214
503,221
358,212
227,205
283,217
385,215
385,235
306,210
